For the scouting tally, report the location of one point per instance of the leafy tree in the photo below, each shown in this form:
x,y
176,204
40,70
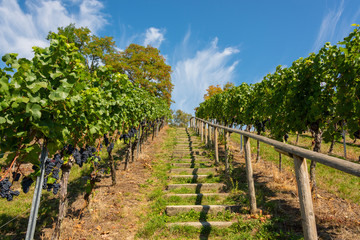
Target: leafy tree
x,y
212,90
181,118
145,67
93,48
228,85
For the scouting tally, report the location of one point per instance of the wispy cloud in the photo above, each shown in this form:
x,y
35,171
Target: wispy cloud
x,y
22,28
154,37
328,26
193,75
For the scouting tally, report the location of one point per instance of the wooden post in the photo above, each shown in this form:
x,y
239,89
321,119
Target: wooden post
x,y
216,145
280,160
241,143
257,151
344,141
209,136
198,127
306,204
226,152
249,175
202,131
205,135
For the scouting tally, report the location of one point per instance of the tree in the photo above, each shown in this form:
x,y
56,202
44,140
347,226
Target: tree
x,y
181,118
93,48
212,90
145,67
228,85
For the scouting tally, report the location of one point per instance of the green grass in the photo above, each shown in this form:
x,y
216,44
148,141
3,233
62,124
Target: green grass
x,y
208,200
193,216
210,179
187,190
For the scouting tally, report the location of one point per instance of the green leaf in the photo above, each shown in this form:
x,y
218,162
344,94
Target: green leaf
x,y
36,86
59,94
34,110
2,120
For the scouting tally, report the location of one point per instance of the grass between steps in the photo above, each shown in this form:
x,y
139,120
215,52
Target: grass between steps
x,y
193,216
185,190
209,179
236,199
155,220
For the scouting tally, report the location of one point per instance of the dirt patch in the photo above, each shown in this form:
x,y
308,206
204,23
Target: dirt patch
x,y
336,218
114,211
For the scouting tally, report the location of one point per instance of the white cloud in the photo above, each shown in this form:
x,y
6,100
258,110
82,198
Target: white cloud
x,y
328,26
154,37
22,28
193,75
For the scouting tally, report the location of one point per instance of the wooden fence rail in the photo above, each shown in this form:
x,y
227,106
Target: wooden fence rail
x,y
298,154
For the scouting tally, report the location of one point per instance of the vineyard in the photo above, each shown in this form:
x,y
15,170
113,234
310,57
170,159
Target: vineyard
x,y
69,119
55,113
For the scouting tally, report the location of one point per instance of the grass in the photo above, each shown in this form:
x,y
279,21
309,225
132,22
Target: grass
x,y
187,190
209,179
193,216
207,200
341,184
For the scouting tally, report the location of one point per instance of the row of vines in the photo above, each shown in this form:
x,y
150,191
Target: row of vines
x,y
319,93
54,104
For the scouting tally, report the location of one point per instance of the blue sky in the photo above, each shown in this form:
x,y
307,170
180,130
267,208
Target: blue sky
x,y
206,42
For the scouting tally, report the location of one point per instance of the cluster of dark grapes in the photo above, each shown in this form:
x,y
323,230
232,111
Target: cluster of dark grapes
x,y
130,134
286,137
82,155
16,176
110,147
106,140
26,183
5,191
52,169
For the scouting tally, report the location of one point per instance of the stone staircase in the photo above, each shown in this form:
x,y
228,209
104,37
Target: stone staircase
x,y
195,186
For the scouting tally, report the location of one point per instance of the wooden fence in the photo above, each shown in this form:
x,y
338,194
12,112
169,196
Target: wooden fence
x,y
299,156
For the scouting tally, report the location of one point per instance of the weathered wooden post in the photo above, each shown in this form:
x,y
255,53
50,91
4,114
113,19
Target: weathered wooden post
x,y
306,204
216,145
280,160
205,135
241,143
257,151
249,175
226,152
202,130
209,136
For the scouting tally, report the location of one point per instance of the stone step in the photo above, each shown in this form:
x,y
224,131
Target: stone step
x,y
193,171
202,224
191,165
198,187
176,149
208,209
184,153
189,195
193,160
194,178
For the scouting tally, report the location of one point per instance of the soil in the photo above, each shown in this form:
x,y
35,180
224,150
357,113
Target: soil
x,y
114,211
